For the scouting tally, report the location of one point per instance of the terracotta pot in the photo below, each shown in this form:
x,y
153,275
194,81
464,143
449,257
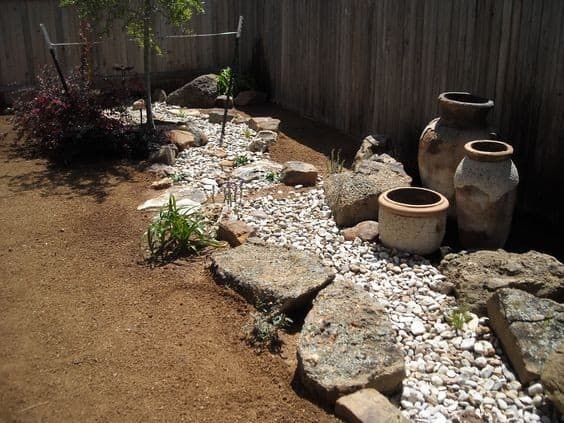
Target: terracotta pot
x,y
412,219
486,189
441,146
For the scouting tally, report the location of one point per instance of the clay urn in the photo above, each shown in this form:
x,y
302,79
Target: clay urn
x,y
462,118
486,190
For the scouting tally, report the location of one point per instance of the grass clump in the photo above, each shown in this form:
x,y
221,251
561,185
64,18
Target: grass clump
x,y
336,163
458,317
177,232
272,177
241,160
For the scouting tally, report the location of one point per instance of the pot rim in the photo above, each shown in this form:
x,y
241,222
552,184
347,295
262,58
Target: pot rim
x,y
413,210
473,101
473,150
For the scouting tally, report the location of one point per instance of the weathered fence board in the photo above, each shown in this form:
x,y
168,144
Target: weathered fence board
x,y
362,66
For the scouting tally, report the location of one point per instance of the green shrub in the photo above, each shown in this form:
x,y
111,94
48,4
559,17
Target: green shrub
x,y
223,81
240,161
176,232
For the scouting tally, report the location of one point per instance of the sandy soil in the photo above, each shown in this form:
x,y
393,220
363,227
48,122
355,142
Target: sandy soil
x,y
89,333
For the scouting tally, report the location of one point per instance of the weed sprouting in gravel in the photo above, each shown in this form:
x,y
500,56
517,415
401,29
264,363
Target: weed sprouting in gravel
x,y
241,160
272,177
176,232
458,317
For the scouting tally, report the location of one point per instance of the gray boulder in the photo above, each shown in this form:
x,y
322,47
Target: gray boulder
x,y
529,328
353,197
200,92
284,279
385,169
552,377
347,343
165,154
476,276
221,101
217,117
299,173
371,145
263,141
250,97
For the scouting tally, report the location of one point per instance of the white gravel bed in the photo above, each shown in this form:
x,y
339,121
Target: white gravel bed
x,y
447,372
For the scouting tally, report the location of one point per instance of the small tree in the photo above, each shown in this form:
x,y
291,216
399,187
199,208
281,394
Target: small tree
x,y
137,17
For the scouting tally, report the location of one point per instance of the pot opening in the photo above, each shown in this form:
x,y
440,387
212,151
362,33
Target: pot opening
x,y
489,146
466,98
414,196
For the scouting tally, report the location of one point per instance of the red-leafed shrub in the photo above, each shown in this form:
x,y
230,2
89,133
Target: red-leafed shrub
x,y
62,126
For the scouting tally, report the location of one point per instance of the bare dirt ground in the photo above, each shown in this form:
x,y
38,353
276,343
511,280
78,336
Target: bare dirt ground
x,y
90,333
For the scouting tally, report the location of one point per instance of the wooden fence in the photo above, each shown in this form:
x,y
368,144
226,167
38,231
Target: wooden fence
x,y
365,66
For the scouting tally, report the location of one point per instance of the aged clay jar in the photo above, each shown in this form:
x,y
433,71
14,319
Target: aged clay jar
x,y
486,189
412,219
441,146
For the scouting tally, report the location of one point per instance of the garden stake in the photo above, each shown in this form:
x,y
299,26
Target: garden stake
x,y
51,47
230,89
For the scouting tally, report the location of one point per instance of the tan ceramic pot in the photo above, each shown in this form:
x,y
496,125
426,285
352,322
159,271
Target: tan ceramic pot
x,y
463,118
412,219
486,189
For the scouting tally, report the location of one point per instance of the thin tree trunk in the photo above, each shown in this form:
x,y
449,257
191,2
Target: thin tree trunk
x,y
147,64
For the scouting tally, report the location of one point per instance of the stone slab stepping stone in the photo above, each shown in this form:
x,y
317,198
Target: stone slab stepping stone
x,y
476,276
529,328
368,406
264,123
186,198
256,170
552,377
347,343
266,274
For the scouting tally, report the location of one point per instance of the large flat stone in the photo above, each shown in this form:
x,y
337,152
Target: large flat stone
x,y
529,328
552,377
186,198
367,406
284,278
476,276
347,343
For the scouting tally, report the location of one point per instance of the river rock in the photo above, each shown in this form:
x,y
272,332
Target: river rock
x,y
200,92
235,232
367,406
347,343
366,231
285,278
299,173
476,276
182,139
529,328
264,124
552,377
221,101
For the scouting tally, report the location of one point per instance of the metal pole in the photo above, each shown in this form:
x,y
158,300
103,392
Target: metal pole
x,y
54,57
231,77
